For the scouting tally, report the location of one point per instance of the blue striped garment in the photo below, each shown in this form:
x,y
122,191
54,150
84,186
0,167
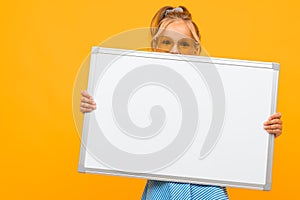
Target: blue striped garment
x,y
161,190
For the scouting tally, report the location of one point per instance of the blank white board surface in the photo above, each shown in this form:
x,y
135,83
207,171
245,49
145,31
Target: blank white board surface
x,y
180,118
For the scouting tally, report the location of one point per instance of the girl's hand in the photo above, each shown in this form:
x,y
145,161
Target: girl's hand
x,y
87,103
274,124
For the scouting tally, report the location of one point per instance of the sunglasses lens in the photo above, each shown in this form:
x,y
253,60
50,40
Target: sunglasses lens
x,y
164,43
187,46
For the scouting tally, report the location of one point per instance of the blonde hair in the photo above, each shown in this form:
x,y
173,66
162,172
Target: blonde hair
x,y
163,18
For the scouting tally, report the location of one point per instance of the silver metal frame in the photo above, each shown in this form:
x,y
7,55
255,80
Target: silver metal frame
x,y
245,63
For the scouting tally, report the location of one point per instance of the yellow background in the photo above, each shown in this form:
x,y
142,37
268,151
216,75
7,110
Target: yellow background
x,y
43,44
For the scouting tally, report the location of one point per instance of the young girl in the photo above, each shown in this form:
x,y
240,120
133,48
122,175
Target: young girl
x,y
173,31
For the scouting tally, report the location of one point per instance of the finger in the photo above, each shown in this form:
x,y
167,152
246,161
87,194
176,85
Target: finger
x,y
85,110
274,131
87,105
87,100
273,121
273,126
277,134
85,94
275,115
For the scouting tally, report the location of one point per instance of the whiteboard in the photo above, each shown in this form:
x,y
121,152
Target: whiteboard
x,y
180,118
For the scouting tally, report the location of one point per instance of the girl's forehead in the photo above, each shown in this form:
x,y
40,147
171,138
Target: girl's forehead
x,y
177,29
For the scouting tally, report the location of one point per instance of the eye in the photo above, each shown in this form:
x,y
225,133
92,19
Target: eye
x,y
185,44
166,42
